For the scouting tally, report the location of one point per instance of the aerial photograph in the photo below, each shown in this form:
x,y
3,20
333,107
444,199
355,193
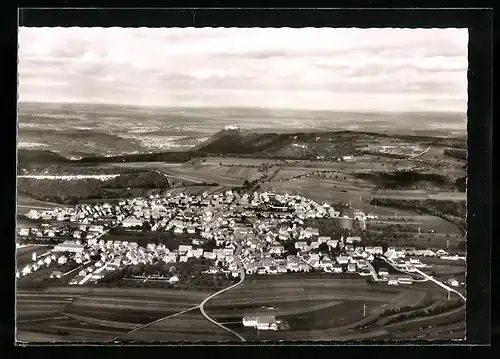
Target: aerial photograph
x,y
201,185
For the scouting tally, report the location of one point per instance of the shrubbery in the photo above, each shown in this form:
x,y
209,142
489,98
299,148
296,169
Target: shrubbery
x,y
70,192
190,275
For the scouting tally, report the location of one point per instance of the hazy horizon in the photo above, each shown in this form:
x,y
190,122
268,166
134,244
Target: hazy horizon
x,y
193,107
326,69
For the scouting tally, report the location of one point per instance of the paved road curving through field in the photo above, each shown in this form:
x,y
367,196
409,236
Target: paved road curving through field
x,y
202,304
427,277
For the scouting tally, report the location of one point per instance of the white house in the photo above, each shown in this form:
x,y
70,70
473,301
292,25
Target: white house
x,y
359,216
300,245
277,249
324,239
197,253
250,321
405,279
184,248
342,260
24,231
332,243
351,240
267,322
337,269
32,214
383,272
26,270
371,216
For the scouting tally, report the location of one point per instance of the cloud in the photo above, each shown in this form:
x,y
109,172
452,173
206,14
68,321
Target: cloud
x,y
305,68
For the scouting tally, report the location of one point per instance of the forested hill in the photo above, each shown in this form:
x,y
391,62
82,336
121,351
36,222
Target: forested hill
x,y
235,142
25,157
305,144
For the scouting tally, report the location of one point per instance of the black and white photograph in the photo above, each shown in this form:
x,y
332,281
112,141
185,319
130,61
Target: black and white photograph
x,y
241,184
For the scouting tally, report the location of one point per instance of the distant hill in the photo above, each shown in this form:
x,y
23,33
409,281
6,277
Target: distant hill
x,y
237,142
27,157
305,145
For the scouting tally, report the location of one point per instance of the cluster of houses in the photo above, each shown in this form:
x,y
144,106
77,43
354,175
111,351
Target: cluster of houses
x,y
46,260
273,259
260,225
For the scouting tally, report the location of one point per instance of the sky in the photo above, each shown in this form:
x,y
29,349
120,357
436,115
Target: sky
x,y
338,69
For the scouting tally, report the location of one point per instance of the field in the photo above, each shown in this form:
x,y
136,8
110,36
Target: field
x,y
316,306
421,195
199,172
317,189
25,204
190,326
425,222
95,314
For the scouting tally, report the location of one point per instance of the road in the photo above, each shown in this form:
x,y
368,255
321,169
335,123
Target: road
x,y
154,322
88,276
373,272
427,277
420,154
441,284
202,305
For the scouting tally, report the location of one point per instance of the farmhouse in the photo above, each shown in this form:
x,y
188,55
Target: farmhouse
x,y
261,322
404,279
383,272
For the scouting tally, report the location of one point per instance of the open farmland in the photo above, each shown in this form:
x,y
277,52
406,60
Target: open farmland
x,y
85,314
26,203
40,305
189,326
63,328
202,172
425,222
312,303
317,189
239,161
420,195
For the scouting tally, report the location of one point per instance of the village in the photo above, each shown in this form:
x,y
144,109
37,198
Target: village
x,y
260,234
